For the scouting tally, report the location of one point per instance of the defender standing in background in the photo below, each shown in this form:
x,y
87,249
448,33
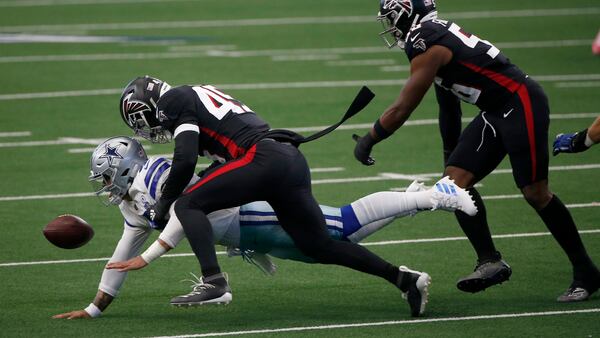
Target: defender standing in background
x,y
514,120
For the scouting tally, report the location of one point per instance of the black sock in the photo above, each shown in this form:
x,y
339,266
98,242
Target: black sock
x,y
558,220
477,230
198,231
404,280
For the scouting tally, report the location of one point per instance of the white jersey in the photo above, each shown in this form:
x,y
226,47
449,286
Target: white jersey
x,y
145,190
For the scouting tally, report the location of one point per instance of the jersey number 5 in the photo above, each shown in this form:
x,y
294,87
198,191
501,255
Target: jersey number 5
x,y
471,40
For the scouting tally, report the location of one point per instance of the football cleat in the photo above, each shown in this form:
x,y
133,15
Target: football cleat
x,y
416,186
205,292
448,196
485,275
573,294
417,294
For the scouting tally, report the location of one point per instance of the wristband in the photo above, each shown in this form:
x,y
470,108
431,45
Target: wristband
x,y
380,131
153,252
588,141
93,310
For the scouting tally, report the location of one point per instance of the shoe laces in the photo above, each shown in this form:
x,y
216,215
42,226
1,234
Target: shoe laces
x,y
198,284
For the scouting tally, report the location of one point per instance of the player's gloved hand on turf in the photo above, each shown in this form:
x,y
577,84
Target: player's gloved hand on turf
x,y
363,148
78,314
570,143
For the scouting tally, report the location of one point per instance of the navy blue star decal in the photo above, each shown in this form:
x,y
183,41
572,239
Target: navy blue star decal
x,y
111,153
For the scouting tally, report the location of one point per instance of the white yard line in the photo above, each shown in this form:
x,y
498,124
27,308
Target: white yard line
x,y
356,126
15,133
179,52
379,177
380,243
35,3
277,85
360,63
332,20
586,84
387,323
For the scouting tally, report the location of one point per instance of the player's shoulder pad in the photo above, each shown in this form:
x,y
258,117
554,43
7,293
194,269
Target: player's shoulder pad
x,y
173,103
425,35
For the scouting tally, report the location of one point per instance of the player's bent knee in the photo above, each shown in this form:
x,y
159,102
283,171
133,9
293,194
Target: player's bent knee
x,y
537,194
463,178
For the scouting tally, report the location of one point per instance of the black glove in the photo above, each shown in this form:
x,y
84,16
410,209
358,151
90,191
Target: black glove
x,y
363,148
158,214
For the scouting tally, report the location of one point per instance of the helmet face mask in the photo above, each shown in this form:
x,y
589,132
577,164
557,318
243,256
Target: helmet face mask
x,y
398,17
113,166
138,108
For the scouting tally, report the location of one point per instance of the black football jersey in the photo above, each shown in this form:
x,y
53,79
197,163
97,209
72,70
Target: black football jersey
x,y
227,126
478,72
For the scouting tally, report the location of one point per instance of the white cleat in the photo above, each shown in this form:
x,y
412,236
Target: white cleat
x,y
448,196
417,294
416,186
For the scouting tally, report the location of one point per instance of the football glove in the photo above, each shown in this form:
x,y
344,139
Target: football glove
x,y
570,143
363,148
158,215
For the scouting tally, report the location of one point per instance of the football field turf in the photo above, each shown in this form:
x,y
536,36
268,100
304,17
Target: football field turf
x,y
298,64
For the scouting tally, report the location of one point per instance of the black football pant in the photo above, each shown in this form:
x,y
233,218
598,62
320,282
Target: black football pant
x,y
277,173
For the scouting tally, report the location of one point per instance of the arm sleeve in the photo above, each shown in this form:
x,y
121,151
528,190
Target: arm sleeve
x,y
183,166
173,232
450,123
128,247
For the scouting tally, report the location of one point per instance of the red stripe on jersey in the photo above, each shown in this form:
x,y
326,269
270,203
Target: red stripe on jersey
x,y
526,102
233,149
503,80
227,167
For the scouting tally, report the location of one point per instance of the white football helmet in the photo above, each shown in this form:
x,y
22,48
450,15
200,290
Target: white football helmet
x,y
113,166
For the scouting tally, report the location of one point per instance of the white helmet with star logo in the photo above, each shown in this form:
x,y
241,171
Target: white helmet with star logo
x,y
113,166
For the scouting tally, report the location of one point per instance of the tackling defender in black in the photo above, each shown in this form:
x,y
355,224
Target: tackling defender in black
x,y
252,163
514,120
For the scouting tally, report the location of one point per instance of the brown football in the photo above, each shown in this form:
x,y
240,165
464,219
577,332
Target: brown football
x,y
68,232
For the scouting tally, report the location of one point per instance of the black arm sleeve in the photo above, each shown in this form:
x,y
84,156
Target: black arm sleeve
x,y
449,119
183,166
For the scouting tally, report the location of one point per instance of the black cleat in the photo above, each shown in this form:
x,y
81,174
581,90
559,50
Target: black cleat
x,y
205,292
485,275
418,290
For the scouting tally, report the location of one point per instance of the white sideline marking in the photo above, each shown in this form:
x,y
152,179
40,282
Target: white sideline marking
x,y
334,20
587,84
15,133
379,177
387,323
381,243
278,85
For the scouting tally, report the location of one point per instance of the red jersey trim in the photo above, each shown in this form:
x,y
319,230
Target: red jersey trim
x,y
227,167
233,149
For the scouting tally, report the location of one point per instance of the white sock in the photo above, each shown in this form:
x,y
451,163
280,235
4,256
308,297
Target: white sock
x,y
379,209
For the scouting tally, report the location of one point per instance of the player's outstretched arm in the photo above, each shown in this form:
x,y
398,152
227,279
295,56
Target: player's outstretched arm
x,y
423,70
157,249
94,310
577,142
